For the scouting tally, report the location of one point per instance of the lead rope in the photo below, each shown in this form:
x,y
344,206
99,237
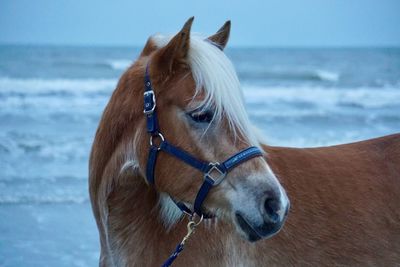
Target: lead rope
x,y
191,227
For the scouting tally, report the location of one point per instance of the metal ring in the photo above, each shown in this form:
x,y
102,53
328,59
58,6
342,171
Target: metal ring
x,y
192,219
159,135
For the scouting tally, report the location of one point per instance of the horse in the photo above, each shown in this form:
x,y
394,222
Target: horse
x,y
344,199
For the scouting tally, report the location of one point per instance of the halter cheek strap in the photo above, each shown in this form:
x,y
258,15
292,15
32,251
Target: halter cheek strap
x,y
214,172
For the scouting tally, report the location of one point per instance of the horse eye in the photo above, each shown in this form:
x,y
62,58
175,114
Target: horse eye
x,y
202,116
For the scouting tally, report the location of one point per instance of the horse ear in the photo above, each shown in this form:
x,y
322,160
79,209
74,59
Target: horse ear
x,y
148,48
222,36
176,50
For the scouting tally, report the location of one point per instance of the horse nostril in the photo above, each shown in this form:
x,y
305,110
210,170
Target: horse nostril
x,y
271,206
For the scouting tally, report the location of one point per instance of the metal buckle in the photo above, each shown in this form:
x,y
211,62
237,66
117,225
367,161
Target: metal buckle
x,y
158,135
214,168
147,105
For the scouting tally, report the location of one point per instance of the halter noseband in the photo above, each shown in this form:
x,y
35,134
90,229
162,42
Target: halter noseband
x,y
214,172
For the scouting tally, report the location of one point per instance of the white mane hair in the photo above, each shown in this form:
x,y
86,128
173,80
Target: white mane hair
x,y
215,75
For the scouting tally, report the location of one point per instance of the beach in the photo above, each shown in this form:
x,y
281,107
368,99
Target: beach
x,y
52,97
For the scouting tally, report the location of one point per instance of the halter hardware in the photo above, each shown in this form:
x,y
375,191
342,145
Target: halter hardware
x,y
149,106
215,170
191,227
154,137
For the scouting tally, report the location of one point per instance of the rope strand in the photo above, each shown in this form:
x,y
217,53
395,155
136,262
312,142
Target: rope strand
x,y
191,227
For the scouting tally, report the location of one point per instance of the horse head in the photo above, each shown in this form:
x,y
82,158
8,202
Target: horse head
x,y
200,110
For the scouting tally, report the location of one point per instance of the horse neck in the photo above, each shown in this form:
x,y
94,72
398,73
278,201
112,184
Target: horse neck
x,y
118,121
118,115
132,216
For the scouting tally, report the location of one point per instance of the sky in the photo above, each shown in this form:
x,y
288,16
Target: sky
x,y
287,23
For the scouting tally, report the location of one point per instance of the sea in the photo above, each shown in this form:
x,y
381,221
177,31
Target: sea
x,y
52,97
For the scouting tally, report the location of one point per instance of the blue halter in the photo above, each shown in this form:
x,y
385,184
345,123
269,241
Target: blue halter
x,y
214,172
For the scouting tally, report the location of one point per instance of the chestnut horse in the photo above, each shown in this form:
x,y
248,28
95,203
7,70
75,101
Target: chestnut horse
x,y
345,199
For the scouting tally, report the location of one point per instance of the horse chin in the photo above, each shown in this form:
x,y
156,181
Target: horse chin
x,y
252,232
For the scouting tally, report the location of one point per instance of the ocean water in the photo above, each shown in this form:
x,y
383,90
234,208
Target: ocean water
x,y
51,99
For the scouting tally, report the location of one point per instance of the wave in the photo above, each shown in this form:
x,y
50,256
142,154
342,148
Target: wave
x,y
42,199
368,97
327,75
119,64
26,87
113,64
43,190
290,75
49,93
42,147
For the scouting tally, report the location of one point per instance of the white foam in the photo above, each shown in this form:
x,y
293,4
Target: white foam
x,y
41,199
327,75
45,86
289,74
367,97
75,105
119,64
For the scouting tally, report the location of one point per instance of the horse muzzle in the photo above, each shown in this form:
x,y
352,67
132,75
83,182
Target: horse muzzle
x,y
268,222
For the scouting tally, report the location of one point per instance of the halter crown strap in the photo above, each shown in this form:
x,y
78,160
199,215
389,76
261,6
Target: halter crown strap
x,y
214,172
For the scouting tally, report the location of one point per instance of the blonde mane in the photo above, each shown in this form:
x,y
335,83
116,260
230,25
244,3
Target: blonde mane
x,y
216,77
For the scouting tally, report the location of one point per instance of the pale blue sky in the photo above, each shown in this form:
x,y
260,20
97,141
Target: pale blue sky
x,y
254,23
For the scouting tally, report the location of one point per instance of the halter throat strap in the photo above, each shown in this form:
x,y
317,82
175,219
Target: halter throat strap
x,y
214,172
